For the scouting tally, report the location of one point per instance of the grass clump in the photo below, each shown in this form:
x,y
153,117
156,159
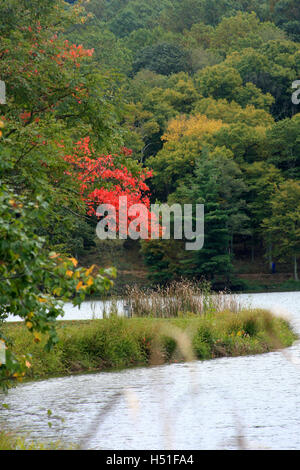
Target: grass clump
x,y
115,343
9,441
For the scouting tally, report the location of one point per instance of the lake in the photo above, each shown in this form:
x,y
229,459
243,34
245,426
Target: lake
x,y
229,403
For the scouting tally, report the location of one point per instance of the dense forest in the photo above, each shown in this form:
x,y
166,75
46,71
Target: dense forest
x,y
185,101
205,101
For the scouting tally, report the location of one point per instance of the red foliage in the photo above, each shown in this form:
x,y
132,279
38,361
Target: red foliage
x,y
103,181
73,52
25,116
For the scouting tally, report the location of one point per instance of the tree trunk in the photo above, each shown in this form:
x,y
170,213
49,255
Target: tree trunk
x,y
270,255
252,250
296,269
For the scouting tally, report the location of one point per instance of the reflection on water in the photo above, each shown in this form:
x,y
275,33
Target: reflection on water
x,y
203,405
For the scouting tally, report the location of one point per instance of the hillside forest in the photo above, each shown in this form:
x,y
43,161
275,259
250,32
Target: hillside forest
x,y
169,101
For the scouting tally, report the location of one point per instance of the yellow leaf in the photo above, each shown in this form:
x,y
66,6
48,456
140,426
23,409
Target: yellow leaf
x,y
69,273
29,324
79,285
37,337
88,272
41,300
74,261
90,281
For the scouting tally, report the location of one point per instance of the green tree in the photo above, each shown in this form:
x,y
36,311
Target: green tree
x,y
218,82
214,259
218,184
34,282
263,180
287,16
135,15
224,82
248,144
232,112
244,30
163,58
283,224
283,143
271,69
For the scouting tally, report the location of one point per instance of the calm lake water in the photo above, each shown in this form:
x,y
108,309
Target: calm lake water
x,y
249,402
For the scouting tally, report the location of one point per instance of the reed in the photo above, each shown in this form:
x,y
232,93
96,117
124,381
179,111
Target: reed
x,y
178,299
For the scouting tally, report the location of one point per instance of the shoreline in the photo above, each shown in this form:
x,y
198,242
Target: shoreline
x,y
109,345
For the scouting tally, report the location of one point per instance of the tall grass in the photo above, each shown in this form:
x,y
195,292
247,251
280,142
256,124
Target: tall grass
x,y
116,343
178,299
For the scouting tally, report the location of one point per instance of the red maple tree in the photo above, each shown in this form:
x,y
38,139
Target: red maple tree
x,y
102,180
